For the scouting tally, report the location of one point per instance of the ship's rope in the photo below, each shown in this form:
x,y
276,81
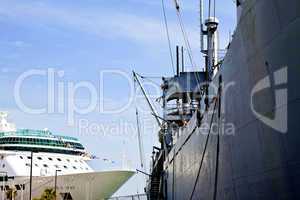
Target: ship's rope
x,y
168,34
204,151
187,43
218,138
184,34
217,163
140,141
149,78
217,101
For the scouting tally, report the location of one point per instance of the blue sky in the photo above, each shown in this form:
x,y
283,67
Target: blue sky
x,y
83,38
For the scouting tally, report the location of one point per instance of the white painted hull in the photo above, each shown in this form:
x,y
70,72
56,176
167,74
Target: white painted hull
x,y
84,186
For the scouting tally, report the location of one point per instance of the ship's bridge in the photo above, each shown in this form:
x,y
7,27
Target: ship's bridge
x,y
40,141
182,95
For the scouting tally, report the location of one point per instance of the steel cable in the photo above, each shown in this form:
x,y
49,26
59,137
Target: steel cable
x,y
168,34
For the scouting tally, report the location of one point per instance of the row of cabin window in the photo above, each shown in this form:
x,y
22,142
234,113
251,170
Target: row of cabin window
x,y
49,158
34,141
51,150
56,166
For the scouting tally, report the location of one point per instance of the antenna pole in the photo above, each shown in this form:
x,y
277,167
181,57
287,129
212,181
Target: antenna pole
x,y
201,26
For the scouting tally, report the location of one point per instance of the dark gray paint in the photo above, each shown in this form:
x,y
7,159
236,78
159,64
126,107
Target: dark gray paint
x,y
257,162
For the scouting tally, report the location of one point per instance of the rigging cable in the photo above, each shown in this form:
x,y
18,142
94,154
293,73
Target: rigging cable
x,y
204,151
140,140
139,131
186,40
148,78
168,34
218,139
187,43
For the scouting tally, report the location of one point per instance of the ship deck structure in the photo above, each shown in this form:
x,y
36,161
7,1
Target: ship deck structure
x,y
231,132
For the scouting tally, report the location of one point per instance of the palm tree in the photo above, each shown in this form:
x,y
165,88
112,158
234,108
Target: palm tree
x,y
48,194
11,193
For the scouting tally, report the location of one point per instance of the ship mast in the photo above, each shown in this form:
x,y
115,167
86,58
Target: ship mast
x,y
182,96
212,45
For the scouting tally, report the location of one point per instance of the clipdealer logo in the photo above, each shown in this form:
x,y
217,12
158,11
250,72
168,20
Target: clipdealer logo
x,y
280,120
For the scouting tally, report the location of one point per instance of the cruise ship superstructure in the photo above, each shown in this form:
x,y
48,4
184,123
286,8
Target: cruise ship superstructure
x,y
52,155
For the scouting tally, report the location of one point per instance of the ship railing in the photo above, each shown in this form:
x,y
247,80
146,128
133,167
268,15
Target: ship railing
x,y
182,109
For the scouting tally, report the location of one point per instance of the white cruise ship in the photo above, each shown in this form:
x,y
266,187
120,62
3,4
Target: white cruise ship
x,y
53,155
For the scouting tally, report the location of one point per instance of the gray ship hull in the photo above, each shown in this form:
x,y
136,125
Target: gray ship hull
x,y
261,160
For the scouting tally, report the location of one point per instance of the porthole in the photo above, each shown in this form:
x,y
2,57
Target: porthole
x,y
56,166
21,157
3,166
58,159
39,158
50,158
45,165
74,167
65,167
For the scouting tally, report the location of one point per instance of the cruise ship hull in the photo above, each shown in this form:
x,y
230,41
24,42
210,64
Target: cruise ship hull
x,y
83,186
53,161
260,160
